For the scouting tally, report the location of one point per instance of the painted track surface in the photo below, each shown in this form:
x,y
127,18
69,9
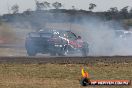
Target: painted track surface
x,y
66,60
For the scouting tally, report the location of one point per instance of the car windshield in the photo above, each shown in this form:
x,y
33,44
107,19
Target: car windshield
x,y
68,35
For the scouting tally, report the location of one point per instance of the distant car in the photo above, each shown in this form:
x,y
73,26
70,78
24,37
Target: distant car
x,y
123,33
55,42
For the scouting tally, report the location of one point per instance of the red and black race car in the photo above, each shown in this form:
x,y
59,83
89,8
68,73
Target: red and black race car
x,y
55,42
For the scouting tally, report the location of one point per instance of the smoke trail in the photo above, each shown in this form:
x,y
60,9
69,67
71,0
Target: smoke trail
x,y
6,34
103,40
101,35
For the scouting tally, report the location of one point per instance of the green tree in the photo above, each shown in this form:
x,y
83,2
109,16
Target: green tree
x,y
92,6
130,11
113,10
15,9
57,5
39,5
28,11
113,13
73,7
124,12
46,4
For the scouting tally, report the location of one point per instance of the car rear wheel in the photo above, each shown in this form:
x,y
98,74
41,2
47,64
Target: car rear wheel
x,y
31,50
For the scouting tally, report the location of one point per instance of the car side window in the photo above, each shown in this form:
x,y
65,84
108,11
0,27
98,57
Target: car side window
x,y
71,36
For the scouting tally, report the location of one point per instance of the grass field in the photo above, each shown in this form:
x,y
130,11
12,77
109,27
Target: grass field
x,y
60,75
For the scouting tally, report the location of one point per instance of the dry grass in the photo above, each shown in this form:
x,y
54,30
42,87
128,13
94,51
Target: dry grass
x,y
59,75
12,52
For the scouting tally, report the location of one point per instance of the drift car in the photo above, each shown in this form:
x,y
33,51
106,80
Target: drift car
x,y
123,33
55,42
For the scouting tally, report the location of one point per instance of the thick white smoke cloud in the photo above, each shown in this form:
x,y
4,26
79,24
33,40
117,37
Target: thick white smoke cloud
x,y
103,40
101,35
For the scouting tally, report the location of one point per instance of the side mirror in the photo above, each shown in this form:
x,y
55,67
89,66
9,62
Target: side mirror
x,y
79,37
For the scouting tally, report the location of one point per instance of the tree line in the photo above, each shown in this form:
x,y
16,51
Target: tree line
x,y
56,7
44,5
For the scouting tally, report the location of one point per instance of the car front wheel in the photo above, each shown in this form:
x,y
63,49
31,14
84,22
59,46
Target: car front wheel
x,y
31,50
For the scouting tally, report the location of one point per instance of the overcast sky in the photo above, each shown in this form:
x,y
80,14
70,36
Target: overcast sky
x,y
102,5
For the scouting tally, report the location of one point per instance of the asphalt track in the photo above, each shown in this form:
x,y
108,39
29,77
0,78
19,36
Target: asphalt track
x,y
66,60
